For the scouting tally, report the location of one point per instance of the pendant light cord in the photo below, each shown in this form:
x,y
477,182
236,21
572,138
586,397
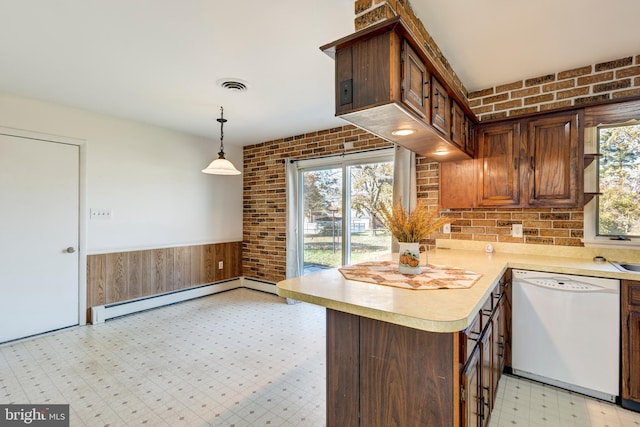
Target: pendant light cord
x,y
221,120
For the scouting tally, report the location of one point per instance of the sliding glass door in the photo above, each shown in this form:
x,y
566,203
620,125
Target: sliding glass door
x,y
338,199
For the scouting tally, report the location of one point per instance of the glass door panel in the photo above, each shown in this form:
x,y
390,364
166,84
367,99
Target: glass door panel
x,y
370,185
322,219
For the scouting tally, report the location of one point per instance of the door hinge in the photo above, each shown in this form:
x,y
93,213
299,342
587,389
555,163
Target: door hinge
x,y
462,397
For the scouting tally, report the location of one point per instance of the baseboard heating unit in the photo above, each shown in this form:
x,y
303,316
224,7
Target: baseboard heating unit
x,y
101,313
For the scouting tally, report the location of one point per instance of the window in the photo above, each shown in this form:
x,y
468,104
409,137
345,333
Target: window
x,y
337,201
614,215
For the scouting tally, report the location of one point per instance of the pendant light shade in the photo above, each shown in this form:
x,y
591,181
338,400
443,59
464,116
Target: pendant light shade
x,y
221,166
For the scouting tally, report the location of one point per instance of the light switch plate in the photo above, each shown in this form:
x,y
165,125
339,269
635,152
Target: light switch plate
x,y
446,229
220,265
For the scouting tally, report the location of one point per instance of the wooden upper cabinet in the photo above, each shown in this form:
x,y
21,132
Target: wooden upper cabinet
x,y
470,141
368,73
385,84
555,161
440,113
415,82
458,123
498,165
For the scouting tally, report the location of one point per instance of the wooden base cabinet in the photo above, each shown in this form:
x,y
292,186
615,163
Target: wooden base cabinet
x,y
383,374
486,343
630,314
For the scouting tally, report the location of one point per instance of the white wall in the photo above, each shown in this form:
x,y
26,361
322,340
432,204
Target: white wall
x,y
149,177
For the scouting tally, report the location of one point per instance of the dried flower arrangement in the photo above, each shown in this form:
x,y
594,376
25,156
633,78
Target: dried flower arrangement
x,y
414,226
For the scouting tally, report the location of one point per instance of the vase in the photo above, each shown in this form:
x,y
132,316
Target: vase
x,y
409,258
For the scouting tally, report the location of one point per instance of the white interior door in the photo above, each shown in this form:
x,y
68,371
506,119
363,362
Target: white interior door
x,y
39,205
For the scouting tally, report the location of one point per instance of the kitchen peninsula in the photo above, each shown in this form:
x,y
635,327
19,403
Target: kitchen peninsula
x,y
396,356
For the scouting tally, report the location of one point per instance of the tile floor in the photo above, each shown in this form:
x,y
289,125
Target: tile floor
x,y
240,358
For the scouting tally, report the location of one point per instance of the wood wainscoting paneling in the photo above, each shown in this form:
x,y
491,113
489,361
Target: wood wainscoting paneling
x,y
123,276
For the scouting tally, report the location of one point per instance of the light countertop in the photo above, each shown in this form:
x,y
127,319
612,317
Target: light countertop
x,y
441,310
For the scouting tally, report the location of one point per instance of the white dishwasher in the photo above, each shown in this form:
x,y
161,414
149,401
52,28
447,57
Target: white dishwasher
x,y
566,331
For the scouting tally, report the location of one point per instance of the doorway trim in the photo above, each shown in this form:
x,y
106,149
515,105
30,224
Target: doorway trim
x,y
82,218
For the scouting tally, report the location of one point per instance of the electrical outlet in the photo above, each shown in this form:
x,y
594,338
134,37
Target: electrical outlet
x,y
446,229
100,214
516,230
220,265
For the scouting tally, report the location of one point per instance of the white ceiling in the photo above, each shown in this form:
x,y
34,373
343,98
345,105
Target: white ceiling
x,y
158,61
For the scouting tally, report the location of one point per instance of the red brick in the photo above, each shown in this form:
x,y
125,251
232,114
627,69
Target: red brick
x,y
626,93
481,93
509,86
482,110
572,93
615,85
509,104
590,99
595,78
565,84
628,72
538,99
622,62
521,111
493,116
525,92
576,72
555,105
361,6
539,80
495,98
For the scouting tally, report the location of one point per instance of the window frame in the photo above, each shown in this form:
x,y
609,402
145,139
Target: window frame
x,y
343,161
591,238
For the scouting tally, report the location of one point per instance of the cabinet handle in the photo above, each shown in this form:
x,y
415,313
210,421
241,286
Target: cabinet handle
x,y
515,163
532,163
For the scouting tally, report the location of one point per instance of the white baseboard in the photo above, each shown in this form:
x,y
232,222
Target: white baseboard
x,y
258,285
103,312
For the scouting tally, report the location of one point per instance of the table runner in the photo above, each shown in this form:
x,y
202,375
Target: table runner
x,y
432,276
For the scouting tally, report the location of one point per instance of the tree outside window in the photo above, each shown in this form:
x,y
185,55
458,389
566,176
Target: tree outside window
x,y
619,180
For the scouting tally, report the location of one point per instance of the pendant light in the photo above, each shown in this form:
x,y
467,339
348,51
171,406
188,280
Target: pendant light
x,y
221,166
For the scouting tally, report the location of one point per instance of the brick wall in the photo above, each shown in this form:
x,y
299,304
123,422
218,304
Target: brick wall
x,y
264,200
552,226
264,192
610,80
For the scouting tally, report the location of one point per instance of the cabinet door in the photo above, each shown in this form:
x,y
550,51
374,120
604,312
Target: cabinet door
x,y
458,125
498,347
631,340
457,184
415,82
555,162
470,141
440,113
486,376
471,398
499,165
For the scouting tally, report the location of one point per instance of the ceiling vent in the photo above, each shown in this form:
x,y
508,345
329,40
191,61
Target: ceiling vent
x,y
236,85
